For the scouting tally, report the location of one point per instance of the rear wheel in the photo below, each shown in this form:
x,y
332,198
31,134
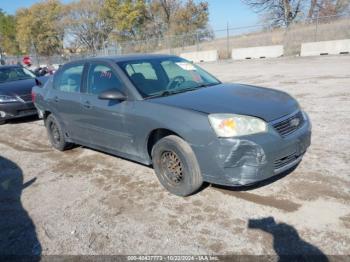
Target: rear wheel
x,y
56,134
176,166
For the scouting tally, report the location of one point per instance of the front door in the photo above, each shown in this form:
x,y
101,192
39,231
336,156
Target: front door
x,y
105,119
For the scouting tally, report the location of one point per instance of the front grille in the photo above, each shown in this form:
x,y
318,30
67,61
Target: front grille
x,y
289,125
26,98
279,163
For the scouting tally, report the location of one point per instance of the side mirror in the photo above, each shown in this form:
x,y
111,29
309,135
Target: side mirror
x,y
112,94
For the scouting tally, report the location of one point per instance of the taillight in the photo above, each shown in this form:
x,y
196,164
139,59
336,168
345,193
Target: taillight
x,y
33,97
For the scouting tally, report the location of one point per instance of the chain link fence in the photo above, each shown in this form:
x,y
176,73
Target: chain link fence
x,y
224,40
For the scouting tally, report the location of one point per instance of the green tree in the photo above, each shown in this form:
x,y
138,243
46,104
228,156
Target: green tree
x,y
127,17
190,18
40,27
141,19
8,42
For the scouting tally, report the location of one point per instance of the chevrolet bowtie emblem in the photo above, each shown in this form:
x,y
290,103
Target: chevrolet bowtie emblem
x,y
295,122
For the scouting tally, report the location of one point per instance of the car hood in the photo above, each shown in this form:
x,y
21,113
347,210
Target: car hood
x,y
21,87
264,103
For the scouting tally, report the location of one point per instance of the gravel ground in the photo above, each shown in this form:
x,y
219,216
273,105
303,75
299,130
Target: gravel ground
x,y
86,202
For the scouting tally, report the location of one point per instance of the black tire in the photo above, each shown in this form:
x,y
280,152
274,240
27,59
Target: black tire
x,y
2,122
176,166
56,134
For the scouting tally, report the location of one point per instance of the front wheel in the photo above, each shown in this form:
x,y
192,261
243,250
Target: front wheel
x,y
176,166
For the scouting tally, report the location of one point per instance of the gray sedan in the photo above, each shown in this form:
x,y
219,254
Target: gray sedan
x,y
167,112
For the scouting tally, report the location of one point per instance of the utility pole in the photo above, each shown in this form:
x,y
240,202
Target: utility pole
x,y
228,40
317,20
33,50
197,40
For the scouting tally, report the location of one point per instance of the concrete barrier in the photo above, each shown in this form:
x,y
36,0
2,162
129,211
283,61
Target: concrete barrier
x,y
325,48
201,56
257,52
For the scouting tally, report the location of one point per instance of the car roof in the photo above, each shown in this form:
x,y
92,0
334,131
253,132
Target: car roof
x,y
124,58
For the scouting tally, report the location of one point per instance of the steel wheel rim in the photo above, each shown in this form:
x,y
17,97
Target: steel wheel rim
x,y
55,133
172,167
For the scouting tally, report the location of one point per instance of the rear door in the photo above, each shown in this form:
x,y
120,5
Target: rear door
x,y
105,120
64,99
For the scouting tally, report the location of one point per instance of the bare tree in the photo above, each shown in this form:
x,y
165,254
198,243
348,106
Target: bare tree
x,y
169,8
312,9
85,25
328,8
279,12
333,7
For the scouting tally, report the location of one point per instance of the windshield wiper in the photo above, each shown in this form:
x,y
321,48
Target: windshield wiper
x,y
164,93
168,93
178,91
207,85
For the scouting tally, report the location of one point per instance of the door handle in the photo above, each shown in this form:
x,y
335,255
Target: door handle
x,y
56,99
87,104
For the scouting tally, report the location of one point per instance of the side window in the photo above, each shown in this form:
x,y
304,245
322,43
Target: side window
x,y
69,80
101,78
144,70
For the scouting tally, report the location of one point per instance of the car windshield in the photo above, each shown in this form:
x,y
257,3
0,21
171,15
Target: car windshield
x,y
166,76
9,74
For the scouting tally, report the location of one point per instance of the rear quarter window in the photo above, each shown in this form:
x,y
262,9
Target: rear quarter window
x,y
69,79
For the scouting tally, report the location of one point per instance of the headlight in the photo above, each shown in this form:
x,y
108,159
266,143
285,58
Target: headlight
x,y
7,99
230,125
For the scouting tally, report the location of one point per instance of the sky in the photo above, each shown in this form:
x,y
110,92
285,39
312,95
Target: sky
x,y
233,12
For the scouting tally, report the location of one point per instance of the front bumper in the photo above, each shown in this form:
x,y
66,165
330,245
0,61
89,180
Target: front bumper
x,y
245,161
16,110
